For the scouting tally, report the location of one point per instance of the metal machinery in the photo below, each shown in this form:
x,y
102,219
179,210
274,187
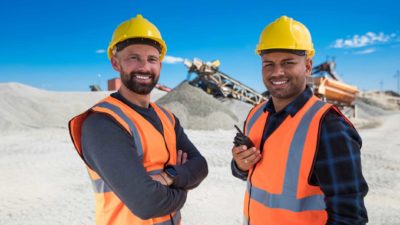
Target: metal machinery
x,y
220,85
330,87
325,83
95,87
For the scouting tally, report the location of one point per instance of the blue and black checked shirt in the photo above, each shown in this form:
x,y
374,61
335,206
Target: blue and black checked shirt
x,y
337,166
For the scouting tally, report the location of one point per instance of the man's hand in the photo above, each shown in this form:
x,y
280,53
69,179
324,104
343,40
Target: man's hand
x,y
163,178
181,158
245,158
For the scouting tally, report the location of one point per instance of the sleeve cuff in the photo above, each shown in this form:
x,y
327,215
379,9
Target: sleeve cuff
x,y
238,172
181,179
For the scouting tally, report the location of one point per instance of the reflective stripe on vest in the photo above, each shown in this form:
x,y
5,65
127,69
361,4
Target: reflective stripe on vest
x,y
100,186
255,117
132,126
167,114
315,202
109,208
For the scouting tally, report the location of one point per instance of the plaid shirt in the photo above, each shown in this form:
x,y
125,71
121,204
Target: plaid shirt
x,y
337,166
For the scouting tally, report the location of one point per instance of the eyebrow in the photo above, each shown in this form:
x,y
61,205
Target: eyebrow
x,y
285,59
154,56
147,56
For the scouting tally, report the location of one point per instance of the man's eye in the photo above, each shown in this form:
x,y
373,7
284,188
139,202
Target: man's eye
x,y
153,60
289,63
133,57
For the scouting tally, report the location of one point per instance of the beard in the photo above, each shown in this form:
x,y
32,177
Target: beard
x,y
292,89
143,89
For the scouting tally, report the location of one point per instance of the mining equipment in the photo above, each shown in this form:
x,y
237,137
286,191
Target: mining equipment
x,y
325,83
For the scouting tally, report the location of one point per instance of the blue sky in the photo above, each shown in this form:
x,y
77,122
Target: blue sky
x,y
58,45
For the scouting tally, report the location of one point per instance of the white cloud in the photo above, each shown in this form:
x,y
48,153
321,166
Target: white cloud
x,y
366,51
368,39
100,51
172,59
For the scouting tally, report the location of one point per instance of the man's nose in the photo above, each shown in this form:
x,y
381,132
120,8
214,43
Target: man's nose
x,y
143,66
278,70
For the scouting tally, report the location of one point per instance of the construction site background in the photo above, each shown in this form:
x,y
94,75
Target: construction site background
x,y
35,138
324,81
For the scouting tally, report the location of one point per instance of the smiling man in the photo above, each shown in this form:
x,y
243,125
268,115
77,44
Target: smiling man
x,y
139,158
305,166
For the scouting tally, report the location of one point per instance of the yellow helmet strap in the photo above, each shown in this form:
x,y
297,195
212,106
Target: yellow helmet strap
x,y
134,41
291,51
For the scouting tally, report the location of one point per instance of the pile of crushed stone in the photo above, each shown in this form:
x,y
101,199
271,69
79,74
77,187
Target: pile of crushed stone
x,y
197,110
24,107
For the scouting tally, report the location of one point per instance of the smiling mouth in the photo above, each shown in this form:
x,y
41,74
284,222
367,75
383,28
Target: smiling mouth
x,y
142,77
279,82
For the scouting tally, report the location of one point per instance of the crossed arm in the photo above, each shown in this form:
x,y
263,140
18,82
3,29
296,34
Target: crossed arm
x,y
109,151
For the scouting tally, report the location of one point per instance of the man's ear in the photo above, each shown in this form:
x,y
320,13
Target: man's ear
x,y
115,63
308,67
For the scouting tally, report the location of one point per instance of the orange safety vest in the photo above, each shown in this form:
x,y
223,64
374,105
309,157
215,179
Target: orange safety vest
x,y
150,147
278,192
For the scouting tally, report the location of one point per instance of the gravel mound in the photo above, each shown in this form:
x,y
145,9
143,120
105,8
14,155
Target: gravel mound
x,y
197,110
24,107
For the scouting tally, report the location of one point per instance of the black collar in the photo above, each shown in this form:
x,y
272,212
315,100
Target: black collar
x,y
293,107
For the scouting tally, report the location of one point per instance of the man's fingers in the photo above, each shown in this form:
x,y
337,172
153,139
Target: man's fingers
x,y
184,158
179,158
246,163
246,153
245,158
158,178
239,149
253,158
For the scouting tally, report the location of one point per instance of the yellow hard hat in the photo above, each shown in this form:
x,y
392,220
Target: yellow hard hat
x,y
286,33
137,27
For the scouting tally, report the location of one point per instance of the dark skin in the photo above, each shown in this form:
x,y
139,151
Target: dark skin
x,y
245,158
284,75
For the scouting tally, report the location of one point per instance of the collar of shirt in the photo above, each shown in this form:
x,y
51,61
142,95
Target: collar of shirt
x,y
293,107
118,96
148,113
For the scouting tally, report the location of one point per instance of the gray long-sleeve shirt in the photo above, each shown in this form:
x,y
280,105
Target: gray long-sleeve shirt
x,y
109,150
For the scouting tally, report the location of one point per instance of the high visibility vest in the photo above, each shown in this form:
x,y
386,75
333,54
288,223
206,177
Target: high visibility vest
x,y
278,192
151,149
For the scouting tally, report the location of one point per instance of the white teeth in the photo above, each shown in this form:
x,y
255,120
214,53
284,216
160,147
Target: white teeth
x,y
279,82
142,77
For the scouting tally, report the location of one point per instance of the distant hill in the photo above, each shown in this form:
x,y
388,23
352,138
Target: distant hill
x,y
26,107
